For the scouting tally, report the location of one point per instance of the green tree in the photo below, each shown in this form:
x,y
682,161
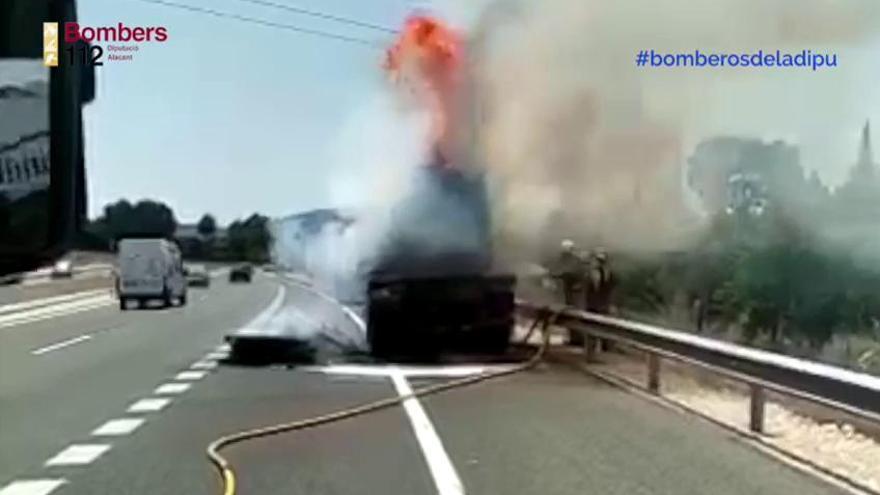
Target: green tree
x,y
207,225
250,239
154,218
798,292
146,218
769,276
640,287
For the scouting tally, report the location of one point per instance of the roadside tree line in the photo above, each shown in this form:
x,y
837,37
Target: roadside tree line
x,y
765,281
247,239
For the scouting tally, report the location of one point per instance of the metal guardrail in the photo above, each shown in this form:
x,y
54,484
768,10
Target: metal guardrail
x,y
854,393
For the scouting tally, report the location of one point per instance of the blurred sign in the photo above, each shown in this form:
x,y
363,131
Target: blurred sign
x,y
24,165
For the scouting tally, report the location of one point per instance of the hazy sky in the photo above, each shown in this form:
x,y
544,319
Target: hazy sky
x,y
232,118
227,117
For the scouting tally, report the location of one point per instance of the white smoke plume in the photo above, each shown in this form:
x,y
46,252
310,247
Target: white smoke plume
x,y
376,151
583,143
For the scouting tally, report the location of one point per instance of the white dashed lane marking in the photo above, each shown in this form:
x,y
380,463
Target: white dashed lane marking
x,y
84,454
118,427
172,388
78,455
148,405
61,345
190,375
32,487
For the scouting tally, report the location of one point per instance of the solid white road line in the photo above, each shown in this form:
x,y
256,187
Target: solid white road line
x,y
148,405
265,316
172,388
451,371
78,455
55,311
118,427
21,306
60,345
259,325
190,375
442,471
32,487
55,308
345,309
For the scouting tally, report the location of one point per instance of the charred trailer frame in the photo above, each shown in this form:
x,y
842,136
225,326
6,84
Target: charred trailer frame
x,y
420,317
434,289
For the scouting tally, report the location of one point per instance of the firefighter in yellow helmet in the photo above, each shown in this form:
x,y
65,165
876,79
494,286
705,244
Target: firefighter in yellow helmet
x,y
570,271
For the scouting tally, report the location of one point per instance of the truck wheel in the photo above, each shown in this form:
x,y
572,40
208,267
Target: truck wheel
x,y
123,303
183,299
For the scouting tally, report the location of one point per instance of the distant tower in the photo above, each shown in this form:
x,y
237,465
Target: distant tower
x,y
864,169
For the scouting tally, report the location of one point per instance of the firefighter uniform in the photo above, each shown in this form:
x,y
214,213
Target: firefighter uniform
x,y
570,270
599,286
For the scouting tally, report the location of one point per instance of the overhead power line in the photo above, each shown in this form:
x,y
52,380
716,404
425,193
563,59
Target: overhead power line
x,y
263,22
321,15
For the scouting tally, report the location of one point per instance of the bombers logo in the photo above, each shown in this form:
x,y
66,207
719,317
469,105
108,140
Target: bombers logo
x,y
99,39
73,32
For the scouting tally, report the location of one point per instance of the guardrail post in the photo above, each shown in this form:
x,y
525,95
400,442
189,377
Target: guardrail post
x,y
653,373
756,408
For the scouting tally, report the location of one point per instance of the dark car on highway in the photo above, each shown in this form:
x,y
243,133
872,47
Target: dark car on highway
x,y
241,273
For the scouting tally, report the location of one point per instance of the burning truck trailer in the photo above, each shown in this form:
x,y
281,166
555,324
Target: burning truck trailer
x,y
434,288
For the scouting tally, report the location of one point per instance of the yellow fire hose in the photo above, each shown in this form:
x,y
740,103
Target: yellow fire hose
x,y
225,468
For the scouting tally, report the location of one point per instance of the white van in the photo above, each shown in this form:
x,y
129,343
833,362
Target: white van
x,y
150,269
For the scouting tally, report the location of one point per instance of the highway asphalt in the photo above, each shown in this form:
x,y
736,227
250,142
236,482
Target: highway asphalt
x,y
66,426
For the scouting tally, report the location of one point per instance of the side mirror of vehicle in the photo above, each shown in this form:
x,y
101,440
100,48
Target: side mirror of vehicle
x,y
42,170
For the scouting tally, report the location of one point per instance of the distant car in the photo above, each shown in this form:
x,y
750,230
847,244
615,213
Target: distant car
x,y
62,269
241,273
197,276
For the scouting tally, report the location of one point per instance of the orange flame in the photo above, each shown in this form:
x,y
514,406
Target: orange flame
x,y
425,59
